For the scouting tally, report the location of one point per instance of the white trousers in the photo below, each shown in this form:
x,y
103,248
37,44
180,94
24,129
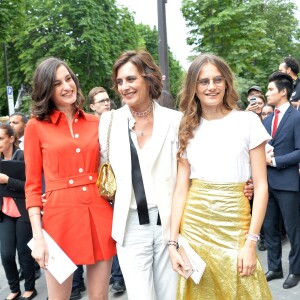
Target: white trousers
x,y
144,260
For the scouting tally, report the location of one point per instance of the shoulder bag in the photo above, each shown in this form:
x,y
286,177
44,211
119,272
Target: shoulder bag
x,y
106,181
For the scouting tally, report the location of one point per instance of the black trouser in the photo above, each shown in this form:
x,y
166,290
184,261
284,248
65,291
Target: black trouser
x,y
15,233
286,203
77,277
116,272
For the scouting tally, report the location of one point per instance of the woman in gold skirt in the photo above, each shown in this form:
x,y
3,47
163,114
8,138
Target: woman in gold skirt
x,y
220,148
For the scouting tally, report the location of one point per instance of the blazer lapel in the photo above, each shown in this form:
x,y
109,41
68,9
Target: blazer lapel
x,y
120,133
268,123
160,131
283,120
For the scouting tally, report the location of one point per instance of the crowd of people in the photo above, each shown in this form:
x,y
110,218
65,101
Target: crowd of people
x,y
172,179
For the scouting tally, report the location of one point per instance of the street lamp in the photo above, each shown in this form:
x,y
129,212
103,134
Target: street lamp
x,y
163,43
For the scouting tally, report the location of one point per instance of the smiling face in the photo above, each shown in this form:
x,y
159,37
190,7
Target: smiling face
x,y
211,95
65,91
133,87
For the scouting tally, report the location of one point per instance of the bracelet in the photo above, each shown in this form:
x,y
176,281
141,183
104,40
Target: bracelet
x,y
252,237
173,243
34,214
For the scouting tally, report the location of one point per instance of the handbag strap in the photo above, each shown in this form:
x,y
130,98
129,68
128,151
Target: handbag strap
x,y
108,135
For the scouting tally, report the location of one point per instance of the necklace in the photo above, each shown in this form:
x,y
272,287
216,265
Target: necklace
x,y
143,113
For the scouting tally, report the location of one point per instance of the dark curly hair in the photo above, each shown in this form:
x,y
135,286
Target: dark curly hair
x,y
292,63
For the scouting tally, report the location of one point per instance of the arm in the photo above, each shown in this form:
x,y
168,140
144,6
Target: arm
x,y
33,191
247,256
16,185
293,157
178,204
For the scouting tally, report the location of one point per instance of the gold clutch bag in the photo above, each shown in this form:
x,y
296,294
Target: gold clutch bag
x,y
106,182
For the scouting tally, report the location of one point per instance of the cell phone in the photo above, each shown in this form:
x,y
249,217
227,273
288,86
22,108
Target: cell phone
x,y
252,101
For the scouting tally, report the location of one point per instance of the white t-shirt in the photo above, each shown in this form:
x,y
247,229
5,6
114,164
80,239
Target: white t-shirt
x,y
219,151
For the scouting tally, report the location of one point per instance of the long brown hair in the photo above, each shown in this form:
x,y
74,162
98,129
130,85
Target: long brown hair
x,y
146,66
43,84
189,102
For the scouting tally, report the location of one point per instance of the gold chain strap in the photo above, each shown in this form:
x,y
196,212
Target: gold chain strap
x,y
108,135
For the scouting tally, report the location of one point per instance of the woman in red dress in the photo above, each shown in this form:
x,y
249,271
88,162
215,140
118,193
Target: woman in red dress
x,y
62,144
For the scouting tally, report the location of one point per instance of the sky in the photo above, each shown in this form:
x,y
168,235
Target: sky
x,y
146,13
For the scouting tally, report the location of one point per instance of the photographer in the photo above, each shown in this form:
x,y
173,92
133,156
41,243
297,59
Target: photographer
x,y
256,104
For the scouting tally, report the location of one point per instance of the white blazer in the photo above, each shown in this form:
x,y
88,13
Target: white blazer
x,y
163,163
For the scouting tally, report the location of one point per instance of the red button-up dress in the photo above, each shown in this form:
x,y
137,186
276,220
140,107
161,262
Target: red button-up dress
x,y
75,216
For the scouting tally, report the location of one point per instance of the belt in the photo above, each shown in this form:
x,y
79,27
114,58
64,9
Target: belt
x,y
72,181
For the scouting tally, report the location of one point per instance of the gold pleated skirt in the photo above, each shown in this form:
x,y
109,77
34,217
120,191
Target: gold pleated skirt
x,y
215,220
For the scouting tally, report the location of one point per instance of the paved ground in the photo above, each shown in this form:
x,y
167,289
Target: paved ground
x,y
276,285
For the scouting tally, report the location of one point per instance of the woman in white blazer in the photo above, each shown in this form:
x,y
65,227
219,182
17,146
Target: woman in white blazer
x,y
142,248
153,130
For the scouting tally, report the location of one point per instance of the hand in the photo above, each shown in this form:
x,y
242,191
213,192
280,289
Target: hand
x,y
176,261
248,189
252,107
247,259
43,198
40,252
269,156
3,178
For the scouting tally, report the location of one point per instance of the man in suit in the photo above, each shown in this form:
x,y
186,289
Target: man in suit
x,y
18,121
282,156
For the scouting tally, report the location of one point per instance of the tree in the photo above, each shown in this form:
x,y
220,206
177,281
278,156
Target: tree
x,y
149,41
12,15
243,33
89,35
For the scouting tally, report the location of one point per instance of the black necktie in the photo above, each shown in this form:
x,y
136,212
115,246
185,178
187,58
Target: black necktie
x,y
138,185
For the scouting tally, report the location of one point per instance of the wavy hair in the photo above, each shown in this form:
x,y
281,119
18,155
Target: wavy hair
x,y
43,85
190,104
146,67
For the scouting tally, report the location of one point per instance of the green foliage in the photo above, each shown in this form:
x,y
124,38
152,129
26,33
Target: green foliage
x,y
88,34
149,41
251,35
12,16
